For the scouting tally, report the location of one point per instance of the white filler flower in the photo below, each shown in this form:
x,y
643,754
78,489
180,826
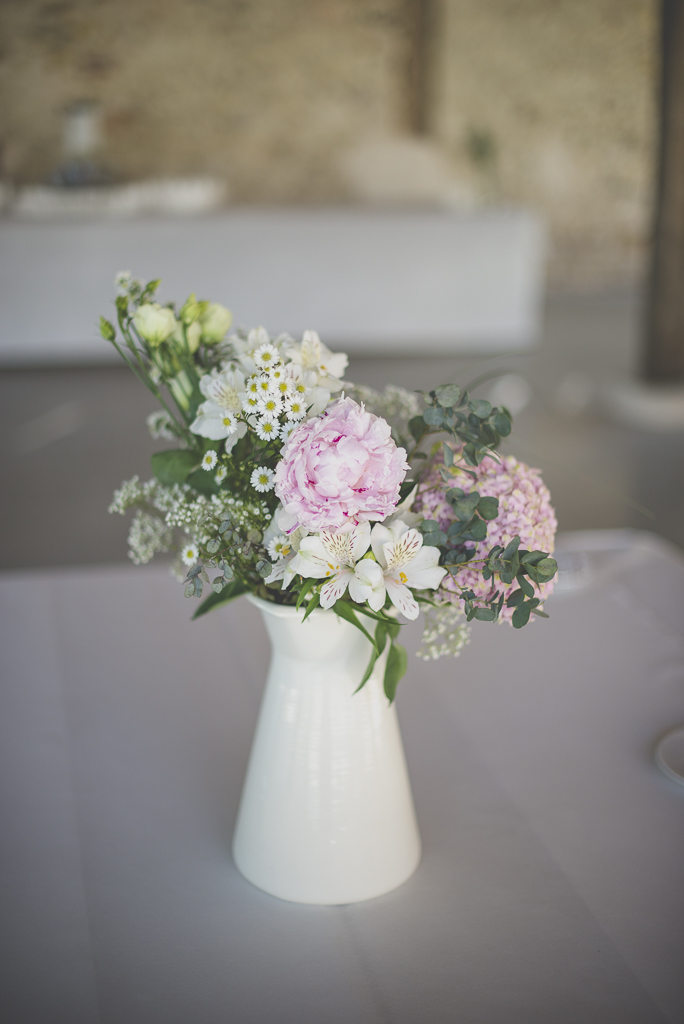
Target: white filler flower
x,y
262,479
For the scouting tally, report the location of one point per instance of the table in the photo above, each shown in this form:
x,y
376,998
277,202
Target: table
x,y
550,887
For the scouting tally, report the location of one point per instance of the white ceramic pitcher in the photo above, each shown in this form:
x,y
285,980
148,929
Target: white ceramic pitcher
x,y
326,814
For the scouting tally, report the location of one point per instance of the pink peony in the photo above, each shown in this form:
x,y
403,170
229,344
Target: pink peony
x,y
341,468
524,509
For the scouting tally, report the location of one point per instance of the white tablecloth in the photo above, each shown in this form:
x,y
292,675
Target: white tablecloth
x,y
550,887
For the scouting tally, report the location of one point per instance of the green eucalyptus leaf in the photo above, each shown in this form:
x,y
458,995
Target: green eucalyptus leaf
x,y
213,546
434,415
488,508
515,598
521,615
173,466
447,395
190,589
448,454
478,531
510,549
481,408
526,586
218,584
485,614
501,423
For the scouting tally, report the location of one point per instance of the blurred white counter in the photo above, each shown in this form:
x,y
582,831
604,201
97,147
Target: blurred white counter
x,y
415,282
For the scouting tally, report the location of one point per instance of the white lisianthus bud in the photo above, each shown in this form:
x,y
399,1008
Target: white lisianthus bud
x,y
192,333
215,322
154,323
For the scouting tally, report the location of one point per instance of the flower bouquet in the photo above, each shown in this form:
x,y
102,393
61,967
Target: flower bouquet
x,y
290,484
329,502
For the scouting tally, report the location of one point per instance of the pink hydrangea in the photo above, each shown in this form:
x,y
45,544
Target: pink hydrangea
x,y
524,509
340,468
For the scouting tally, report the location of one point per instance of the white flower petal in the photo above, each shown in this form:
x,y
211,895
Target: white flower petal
x,y
402,598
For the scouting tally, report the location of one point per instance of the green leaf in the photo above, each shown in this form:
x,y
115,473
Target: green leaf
x,y
213,545
309,582
190,589
515,598
542,615
345,611
417,427
369,669
397,663
481,408
511,548
488,508
478,531
173,466
547,566
485,614
454,494
448,454
217,585
448,395
521,615
203,482
526,586
229,593
501,423
313,603
434,416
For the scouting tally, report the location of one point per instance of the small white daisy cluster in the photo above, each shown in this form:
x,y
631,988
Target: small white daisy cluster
x,y
445,633
266,385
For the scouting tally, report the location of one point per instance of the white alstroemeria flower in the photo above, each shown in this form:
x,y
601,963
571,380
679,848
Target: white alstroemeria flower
x,y
214,421
405,563
246,347
154,323
226,389
286,567
312,354
339,558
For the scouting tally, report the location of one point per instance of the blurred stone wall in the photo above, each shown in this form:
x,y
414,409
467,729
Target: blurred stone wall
x,y
548,102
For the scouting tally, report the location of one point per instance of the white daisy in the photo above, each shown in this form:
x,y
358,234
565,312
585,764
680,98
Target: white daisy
x,y
267,428
251,403
252,385
295,407
265,386
280,547
266,356
287,428
262,479
209,459
221,474
270,405
190,554
284,386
